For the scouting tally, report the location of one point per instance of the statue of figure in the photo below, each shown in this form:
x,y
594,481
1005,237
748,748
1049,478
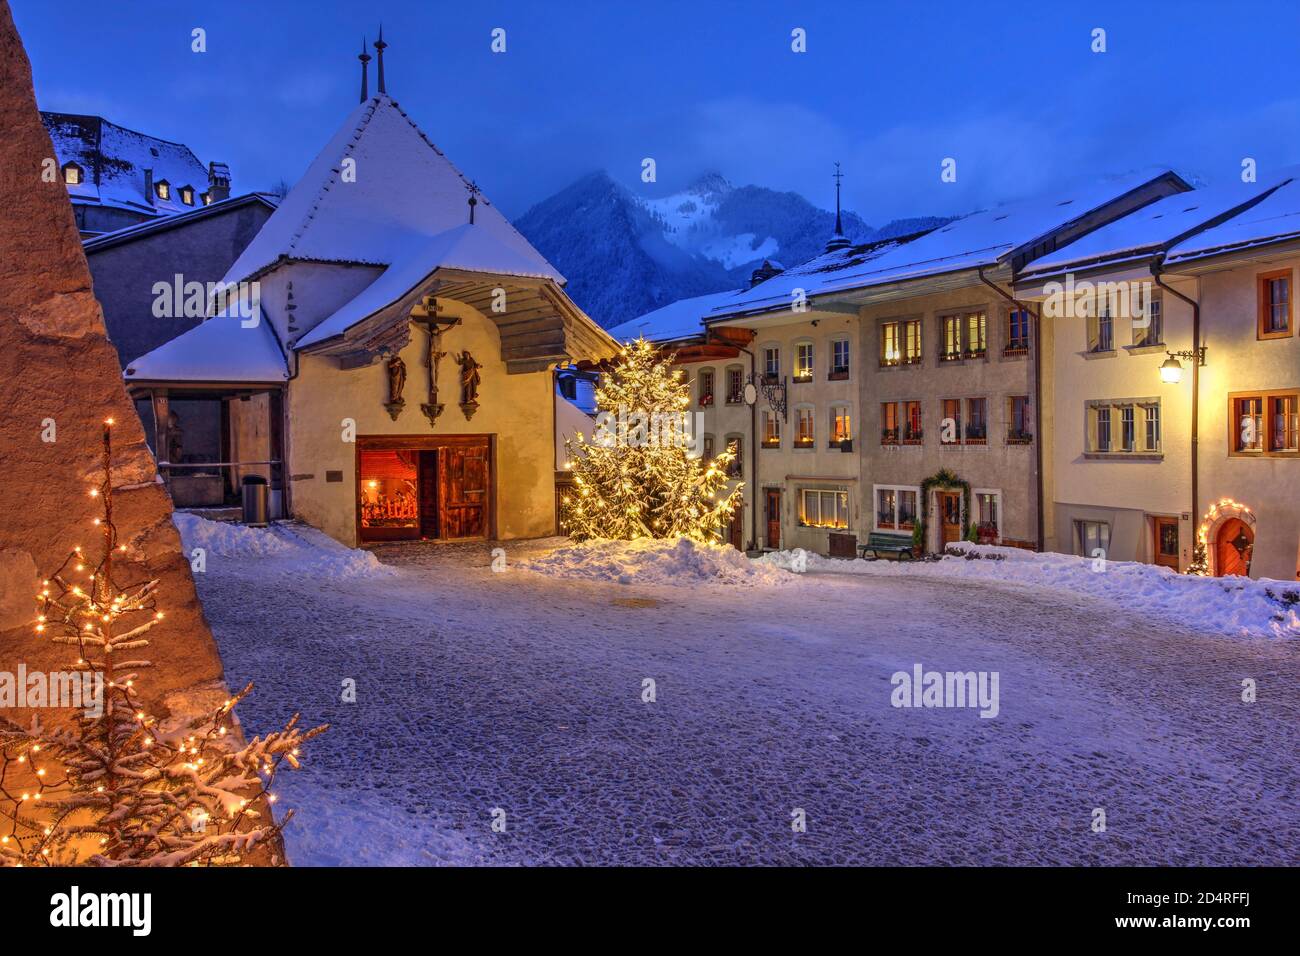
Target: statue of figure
x,y
396,378
431,359
469,378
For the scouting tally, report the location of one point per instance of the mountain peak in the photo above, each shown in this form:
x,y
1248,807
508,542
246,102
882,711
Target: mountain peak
x,y
711,182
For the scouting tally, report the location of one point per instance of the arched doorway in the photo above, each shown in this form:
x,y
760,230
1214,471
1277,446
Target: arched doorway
x,y
1233,544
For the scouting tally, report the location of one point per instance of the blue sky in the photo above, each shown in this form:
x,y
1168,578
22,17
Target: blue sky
x,y
1013,92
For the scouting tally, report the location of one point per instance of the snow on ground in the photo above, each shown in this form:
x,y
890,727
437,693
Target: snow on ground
x,y
1241,606
523,691
680,562
295,548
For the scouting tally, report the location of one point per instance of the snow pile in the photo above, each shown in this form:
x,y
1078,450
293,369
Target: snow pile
x,y
1240,606
290,547
678,561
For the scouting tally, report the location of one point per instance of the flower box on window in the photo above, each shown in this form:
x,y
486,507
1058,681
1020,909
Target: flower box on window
x,y
889,436
986,533
838,375
1019,438
802,378
1015,348
706,400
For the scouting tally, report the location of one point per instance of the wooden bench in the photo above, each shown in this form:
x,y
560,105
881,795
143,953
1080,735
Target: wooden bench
x,y
879,543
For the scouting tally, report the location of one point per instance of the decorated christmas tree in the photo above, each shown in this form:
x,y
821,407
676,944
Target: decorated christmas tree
x,y
120,787
637,477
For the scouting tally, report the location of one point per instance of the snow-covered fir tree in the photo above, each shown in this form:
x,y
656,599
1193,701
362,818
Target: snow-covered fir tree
x,y
637,477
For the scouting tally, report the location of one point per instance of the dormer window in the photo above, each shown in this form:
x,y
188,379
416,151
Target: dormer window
x,y
187,195
207,198
164,189
73,175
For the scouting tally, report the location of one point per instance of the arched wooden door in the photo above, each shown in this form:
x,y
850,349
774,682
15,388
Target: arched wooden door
x,y
1232,548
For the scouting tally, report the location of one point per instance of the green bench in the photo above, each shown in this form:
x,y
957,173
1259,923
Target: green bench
x,y
879,543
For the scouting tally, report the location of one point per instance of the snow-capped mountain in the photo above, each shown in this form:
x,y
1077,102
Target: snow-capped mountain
x,y
625,254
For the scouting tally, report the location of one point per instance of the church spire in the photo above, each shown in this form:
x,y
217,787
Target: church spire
x,y
838,240
380,45
365,71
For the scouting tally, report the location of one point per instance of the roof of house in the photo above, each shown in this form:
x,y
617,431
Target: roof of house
x,y
219,349
153,226
1275,218
981,239
1183,216
675,321
398,192
114,159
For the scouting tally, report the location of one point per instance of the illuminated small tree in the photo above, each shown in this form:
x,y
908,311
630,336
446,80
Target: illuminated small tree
x,y
637,477
118,788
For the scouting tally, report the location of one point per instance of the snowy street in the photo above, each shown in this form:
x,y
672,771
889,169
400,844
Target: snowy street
x,y
523,692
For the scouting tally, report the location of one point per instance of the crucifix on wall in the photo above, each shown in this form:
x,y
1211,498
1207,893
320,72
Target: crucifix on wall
x,y
432,356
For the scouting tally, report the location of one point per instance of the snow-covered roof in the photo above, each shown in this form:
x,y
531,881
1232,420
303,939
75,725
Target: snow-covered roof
x,y
114,159
1276,218
472,248
220,349
676,320
161,224
1148,229
981,239
405,192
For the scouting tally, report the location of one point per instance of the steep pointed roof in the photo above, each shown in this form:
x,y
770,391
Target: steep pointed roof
x,y
405,192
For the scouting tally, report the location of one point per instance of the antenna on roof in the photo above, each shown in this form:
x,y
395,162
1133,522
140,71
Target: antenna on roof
x,y
365,71
838,240
473,200
379,48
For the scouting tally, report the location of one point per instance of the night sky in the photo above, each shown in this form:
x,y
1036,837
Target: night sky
x,y
1012,91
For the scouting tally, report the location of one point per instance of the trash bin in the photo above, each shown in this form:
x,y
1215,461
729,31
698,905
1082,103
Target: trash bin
x,y
256,507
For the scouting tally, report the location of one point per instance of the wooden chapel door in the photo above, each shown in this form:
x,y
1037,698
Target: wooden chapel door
x,y
1233,545
463,497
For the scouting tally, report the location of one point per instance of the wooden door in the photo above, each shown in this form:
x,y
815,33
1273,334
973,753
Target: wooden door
x,y
1166,544
1233,546
735,530
429,494
774,517
463,486
950,516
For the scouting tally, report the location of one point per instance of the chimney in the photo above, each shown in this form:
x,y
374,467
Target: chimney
x,y
218,181
763,273
148,185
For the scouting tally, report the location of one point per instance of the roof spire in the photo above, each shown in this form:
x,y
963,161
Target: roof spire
x,y
379,49
838,240
365,71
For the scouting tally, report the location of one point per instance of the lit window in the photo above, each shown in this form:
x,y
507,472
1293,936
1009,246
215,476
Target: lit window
x,y
911,341
771,430
823,509
73,175
1265,424
803,362
896,507
950,427
187,195
804,431
890,347
911,424
889,423
840,430
163,188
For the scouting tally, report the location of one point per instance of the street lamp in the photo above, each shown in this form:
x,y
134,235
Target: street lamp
x,y
1171,371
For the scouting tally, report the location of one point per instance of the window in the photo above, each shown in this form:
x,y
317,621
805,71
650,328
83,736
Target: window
x,y
771,430
891,350
736,446
1153,333
1017,332
187,195
965,335
823,509
804,431
1124,427
950,427
1275,304
708,448
1101,328
986,512
889,423
207,199
73,175
1264,424
911,425
1020,429
841,431
706,387
772,364
977,428
896,507
951,345
163,189
1091,537
803,362
911,341
839,359
735,386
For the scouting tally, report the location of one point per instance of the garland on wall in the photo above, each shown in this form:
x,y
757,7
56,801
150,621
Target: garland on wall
x,y
944,479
